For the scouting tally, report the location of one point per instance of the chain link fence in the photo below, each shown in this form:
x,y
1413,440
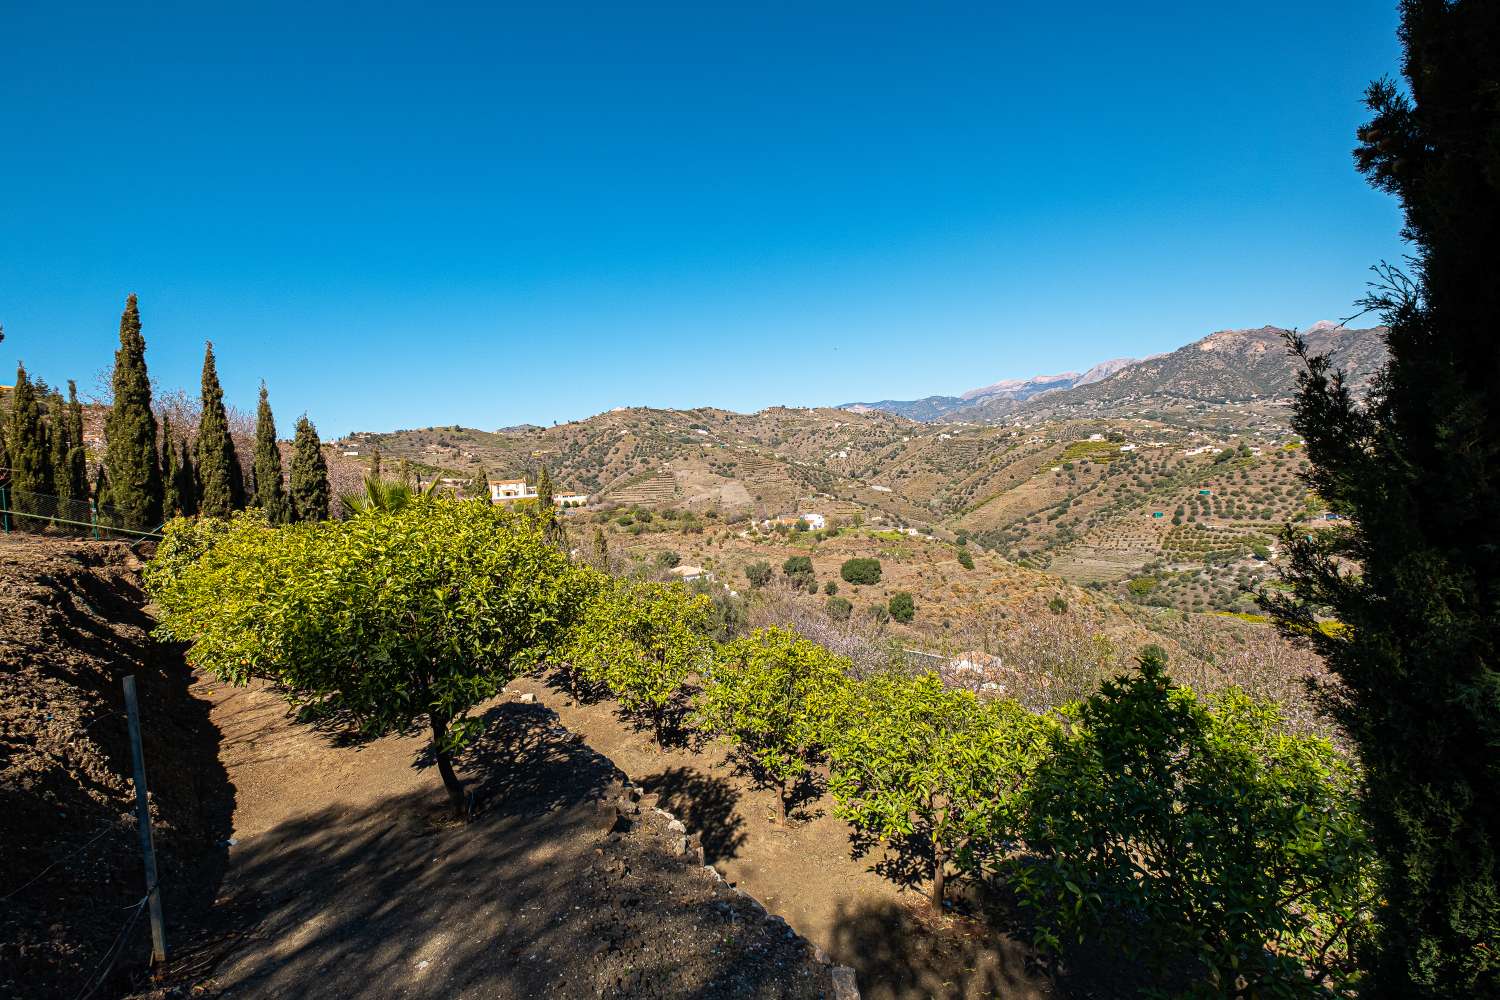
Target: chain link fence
x,y
42,514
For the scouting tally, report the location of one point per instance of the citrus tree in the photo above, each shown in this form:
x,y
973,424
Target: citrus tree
x,y
641,641
770,695
1175,828
389,620
914,760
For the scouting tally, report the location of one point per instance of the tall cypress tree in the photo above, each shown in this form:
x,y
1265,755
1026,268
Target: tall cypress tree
x,y
270,494
130,431
171,476
221,488
1415,470
60,445
30,454
187,480
78,458
309,479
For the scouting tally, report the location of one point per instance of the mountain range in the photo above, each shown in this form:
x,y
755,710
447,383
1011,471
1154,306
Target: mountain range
x,y
1226,366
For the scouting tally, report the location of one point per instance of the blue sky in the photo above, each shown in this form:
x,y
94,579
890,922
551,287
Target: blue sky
x,y
401,216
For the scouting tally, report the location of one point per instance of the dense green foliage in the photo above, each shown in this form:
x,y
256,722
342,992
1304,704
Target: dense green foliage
x,y
965,559
770,694
221,482
799,573
914,760
135,488
861,571
641,641
1185,830
1415,475
78,466
308,492
26,436
270,492
388,619
902,607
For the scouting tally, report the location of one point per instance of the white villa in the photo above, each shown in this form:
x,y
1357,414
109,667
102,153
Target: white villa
x,y
506,490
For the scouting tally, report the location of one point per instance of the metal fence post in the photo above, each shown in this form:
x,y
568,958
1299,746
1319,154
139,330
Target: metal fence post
x,y
4,509
143,820
94,519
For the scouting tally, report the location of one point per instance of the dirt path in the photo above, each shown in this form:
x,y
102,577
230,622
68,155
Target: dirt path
x,y
806,871
347,880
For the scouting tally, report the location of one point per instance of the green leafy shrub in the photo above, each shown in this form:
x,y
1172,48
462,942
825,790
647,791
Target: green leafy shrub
x,y
965,559
1177,829
839,608
932,769
902,607
861,571
770,695
758,573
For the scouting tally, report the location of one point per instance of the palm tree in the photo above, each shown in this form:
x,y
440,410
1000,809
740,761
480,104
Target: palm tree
x,y
382,495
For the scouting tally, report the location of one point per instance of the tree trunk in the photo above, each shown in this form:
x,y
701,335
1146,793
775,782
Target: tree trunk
x,y
445,765
939,873
781,803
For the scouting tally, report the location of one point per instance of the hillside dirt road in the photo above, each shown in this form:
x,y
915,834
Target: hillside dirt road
x,y
347,878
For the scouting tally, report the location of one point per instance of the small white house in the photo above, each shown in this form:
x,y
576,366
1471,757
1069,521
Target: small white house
x,y
687,574
571,499
506,490
816,522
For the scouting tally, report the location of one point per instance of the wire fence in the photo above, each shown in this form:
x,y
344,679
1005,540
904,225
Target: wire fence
x,y
41,513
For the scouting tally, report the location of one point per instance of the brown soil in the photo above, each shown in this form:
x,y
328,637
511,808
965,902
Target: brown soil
x,y
71,627
349,879
864,906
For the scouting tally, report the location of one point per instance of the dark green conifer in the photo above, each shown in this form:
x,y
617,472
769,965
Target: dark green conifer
x,y
187,480
59,445
171,506
270,493
78,457
130,431
309,479
375,464
1412,571
30,452
101,494
221,485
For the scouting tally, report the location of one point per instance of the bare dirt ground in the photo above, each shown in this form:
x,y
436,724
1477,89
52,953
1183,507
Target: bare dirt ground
x,y
349,879
866,911
72,625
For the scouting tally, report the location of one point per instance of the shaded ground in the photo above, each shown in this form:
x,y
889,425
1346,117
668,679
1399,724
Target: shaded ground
x,y
71,627
349,880
831,888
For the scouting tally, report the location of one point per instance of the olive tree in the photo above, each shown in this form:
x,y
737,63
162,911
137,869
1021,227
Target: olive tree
x,y
389,620
770,695
914,760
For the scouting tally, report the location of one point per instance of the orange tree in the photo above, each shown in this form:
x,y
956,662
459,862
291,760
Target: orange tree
x,y
915,762
770,694
390,619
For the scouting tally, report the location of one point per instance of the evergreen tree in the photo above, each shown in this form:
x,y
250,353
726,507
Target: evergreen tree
x,y
270,493
601,549
30,453
544,490
171,475
187,480
478,487
1415,471
101,493
60,445
221,482
130,431
78,457
375,464
309,480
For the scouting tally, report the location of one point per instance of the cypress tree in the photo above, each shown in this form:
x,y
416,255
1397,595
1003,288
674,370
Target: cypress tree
x,y
221,481
101,494
1415,470
78,458
57,434
187,480
309,479
270,494
130,431
30,454
375,464
601,549
544,490
171,505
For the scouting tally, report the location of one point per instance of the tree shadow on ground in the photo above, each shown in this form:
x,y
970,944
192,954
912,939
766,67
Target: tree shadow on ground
x,y
535,897
904,860
808,790
705,804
